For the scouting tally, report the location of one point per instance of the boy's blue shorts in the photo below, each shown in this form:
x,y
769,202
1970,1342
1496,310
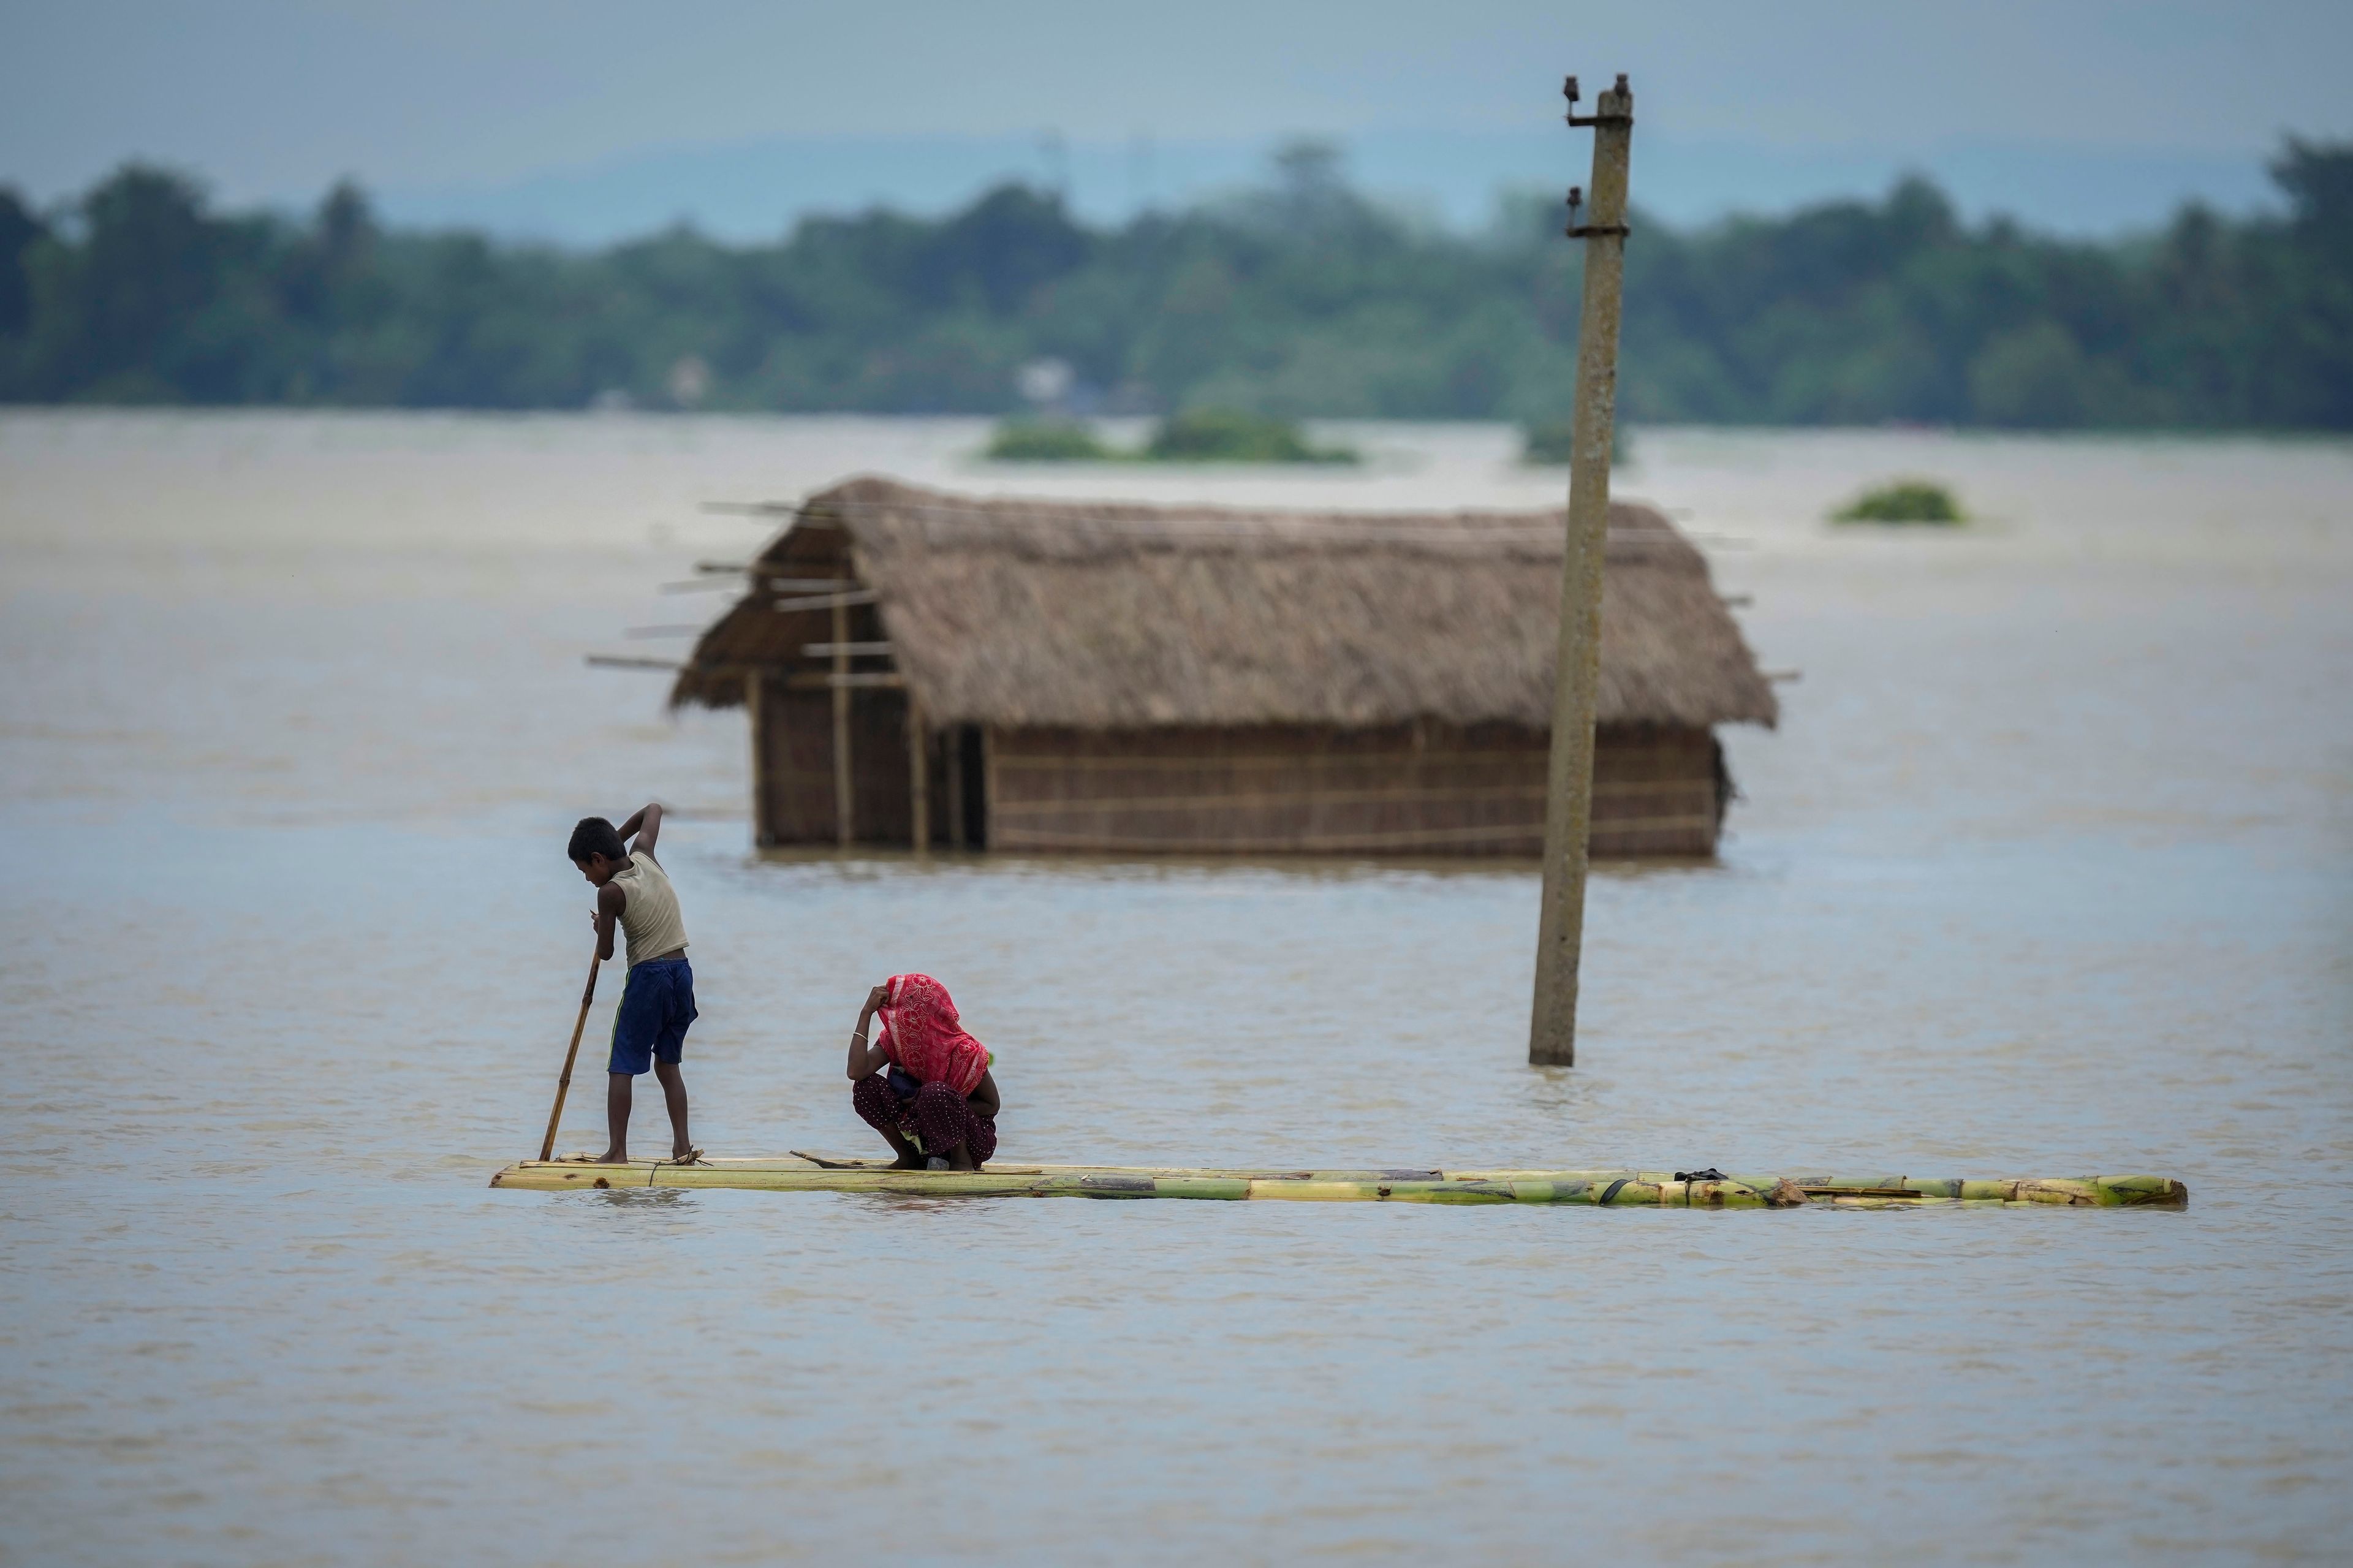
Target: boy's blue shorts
x,y
657,1005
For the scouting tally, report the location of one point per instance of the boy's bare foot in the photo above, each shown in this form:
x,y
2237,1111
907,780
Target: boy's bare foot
x,y
613,1157
686,1156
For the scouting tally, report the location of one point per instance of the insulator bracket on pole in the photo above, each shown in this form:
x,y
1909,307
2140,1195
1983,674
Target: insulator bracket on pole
x,y
1608,116
1576,230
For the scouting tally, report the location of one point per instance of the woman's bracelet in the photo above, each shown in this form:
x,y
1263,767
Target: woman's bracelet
x,y
858,1035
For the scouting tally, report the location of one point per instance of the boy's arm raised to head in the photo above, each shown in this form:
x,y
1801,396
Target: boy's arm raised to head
x,y
610,902
646,825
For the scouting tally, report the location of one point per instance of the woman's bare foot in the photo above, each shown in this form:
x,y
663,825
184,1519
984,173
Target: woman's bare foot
x,y
613,1157
910,1158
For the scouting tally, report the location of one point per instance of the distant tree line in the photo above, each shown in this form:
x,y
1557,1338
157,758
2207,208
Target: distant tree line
x,y
1300,299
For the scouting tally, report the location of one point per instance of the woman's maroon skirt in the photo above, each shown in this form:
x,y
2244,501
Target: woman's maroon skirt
x,y
934,1113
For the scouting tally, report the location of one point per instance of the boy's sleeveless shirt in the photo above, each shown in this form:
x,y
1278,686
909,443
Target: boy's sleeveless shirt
x,y
650,917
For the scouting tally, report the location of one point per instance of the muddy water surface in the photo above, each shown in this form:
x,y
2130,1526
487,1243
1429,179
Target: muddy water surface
x,y
2048,870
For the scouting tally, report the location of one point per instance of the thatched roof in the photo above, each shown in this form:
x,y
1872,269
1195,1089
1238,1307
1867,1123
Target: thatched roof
x,y
1106,615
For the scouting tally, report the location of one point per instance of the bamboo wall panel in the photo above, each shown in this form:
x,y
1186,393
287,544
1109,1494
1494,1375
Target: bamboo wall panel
x,y
794,802
878,725
1406,790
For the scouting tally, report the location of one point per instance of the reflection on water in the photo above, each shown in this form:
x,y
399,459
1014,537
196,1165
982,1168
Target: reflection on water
x,y
2046,873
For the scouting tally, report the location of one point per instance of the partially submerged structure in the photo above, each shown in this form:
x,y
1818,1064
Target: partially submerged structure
x,y
1060,676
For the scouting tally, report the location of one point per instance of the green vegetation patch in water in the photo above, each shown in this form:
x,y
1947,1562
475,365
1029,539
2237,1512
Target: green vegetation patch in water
x,y
1905,502
1047,441
1196,435
1232,435
1551,443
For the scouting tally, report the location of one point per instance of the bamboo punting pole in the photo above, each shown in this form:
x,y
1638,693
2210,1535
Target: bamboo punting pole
x,y
1577,679
587,995
1605,1189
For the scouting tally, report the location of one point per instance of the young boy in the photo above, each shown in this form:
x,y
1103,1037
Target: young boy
x,y
657,1003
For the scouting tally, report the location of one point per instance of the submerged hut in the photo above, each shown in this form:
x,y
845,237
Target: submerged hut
x,y
1064,676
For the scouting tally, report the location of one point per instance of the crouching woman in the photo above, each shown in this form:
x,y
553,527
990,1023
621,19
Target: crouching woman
x,y
921,1076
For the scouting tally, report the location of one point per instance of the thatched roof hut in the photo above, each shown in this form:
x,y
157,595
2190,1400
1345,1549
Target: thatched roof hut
x,y
1205,638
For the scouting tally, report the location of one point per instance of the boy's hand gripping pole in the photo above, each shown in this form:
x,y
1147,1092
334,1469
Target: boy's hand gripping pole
x,y
547,1144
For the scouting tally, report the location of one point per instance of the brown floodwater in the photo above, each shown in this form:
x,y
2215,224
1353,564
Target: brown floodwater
x,y
2048,870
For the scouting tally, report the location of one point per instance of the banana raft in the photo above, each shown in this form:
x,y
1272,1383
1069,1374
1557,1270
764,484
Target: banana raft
x,y
1602,1189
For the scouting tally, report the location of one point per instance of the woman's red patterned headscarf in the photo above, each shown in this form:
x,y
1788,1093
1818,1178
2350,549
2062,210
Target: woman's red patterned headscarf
x,y
923,1037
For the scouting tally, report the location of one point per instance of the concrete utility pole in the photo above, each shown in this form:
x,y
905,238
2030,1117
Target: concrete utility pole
x,y
1577,676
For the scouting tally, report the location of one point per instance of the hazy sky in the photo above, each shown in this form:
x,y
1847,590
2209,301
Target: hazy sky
x,y
272,99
